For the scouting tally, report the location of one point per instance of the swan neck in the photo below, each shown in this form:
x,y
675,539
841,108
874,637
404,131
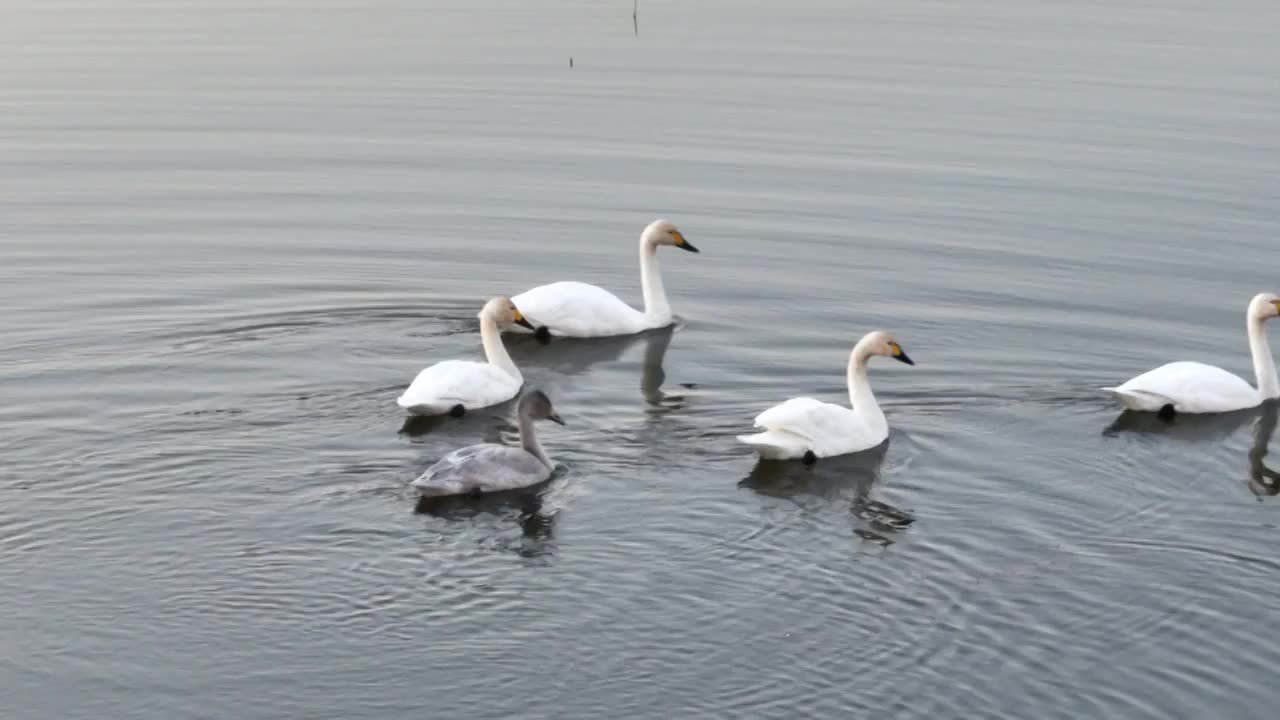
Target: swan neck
x,y
656,309
860,395
494,351
1264,366
529,440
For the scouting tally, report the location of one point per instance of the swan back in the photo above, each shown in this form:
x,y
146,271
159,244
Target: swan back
x,y
1190,387
487,467
438,389
575,309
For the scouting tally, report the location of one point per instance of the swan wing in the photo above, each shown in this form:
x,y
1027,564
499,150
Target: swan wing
x,y
1191,387
575,309
801,416
826,429
487,467
439,388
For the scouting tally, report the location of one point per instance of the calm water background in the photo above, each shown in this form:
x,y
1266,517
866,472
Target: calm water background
x,y
231,232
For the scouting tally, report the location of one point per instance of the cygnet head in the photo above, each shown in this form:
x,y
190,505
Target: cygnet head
x,y
665,232
1264,306
535,404
504,312
880,342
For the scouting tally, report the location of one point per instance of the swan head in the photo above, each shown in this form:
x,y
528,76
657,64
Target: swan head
x,y
536,405
504,313
1264,306
880,342
665,232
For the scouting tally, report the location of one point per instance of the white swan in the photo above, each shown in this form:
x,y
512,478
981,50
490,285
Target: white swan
x,y
1192,387
455,386
811,429
574,309
490,467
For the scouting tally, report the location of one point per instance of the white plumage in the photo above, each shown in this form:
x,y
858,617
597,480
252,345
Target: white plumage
x,y
803,425
452,384
1192,387
439,389
577,309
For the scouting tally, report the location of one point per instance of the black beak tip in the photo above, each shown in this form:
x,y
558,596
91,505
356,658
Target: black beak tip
x,y
903,358
686,245
555,419
525,323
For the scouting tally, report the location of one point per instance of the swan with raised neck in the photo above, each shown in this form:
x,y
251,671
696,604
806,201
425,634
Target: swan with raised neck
x,y
1194,387
807,428
576,309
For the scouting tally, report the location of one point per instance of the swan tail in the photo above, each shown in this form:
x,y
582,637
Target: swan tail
x,y
418,406
775,445
1140,400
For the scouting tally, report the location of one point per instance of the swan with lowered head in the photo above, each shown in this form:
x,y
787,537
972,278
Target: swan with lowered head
x,y
575,309
1192,387
811,429
490,467
455,386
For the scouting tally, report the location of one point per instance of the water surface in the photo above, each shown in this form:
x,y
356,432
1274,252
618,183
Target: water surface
x,y
232,232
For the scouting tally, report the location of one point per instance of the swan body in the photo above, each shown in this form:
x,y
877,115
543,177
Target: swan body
x,y
576,309
1192,387
467,384
804,427
490,467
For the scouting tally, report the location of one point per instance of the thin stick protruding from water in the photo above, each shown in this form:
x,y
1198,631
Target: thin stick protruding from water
x,y
635,11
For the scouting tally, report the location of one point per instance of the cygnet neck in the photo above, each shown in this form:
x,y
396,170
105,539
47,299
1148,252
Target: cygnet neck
x,y
656,308
494,351
529,439
1264,366
860,395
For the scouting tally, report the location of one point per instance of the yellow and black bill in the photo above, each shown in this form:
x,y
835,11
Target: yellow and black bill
x,y
682,243
899,354
522,322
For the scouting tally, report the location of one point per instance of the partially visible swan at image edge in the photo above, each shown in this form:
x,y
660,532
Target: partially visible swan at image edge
x,y
455,386
1192,387
807,428
576,309
490,467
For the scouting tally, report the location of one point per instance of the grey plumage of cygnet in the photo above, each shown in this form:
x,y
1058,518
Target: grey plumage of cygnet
x,y
490,467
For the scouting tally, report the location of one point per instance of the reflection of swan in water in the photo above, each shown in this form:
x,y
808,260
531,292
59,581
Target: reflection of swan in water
x,y
537,522
1263,481
1188,427
834,478
652,375
488,423
574,356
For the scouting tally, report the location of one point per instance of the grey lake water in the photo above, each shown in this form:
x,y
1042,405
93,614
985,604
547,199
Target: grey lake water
x,y
231,233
